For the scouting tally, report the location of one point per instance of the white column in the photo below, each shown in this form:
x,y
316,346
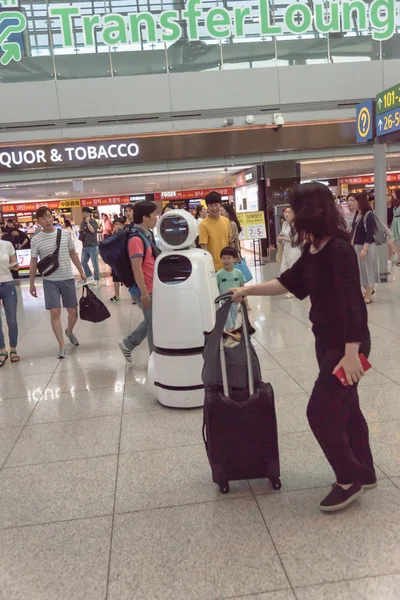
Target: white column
x,y
380,203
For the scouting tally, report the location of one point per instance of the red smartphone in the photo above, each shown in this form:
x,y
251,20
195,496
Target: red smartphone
x,y
366,365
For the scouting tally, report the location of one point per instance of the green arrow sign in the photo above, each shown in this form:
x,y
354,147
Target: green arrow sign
x,y
388,100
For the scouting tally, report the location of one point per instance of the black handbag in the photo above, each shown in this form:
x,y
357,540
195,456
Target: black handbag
x,y
91,308
50,263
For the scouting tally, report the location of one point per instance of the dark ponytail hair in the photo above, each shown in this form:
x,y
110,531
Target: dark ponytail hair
x,y
232,215
316,216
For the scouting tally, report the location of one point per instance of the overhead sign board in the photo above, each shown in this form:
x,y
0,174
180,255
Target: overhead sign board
x,y
388,122
368,179
171,195
221,22
28,207
365,121
68,154
388,100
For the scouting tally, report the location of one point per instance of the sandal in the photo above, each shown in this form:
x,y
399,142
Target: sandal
x,y
368,302
3,358
14,358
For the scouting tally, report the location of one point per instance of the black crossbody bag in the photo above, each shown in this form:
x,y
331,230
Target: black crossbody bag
x,y
50,263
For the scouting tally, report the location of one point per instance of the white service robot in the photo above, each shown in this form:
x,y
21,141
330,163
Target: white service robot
x,y
184,291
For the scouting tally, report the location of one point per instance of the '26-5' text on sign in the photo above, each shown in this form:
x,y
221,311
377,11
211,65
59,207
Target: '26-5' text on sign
x,y
388,122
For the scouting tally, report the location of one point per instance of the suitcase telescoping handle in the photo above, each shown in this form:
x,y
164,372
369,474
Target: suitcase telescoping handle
x,y
246,335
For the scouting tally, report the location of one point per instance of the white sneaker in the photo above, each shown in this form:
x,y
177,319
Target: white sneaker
x,y
125,351
95,283
63,353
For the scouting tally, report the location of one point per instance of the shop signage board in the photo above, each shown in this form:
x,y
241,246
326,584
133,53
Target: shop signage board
x,y
28,207
171,195
253,225
124,29
105,200
368,179
68,154
31,207
365,121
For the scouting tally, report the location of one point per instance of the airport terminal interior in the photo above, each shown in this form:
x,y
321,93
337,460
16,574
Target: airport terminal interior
x,y
106,487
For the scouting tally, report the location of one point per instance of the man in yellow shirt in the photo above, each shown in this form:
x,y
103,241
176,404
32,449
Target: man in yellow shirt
x,y
214,231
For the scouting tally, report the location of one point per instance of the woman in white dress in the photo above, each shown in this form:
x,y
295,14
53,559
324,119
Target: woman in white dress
x,y
291,253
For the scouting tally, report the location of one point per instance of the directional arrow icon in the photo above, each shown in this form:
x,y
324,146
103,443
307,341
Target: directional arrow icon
x,y
380,102
380,124
12,51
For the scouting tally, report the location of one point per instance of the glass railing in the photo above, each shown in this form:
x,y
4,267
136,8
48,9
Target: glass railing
x,y
112,38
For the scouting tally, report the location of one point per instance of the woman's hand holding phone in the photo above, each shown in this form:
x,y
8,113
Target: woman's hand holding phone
x,y
351,369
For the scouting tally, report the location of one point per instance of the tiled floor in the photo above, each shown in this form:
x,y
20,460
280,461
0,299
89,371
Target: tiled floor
x,y
105,494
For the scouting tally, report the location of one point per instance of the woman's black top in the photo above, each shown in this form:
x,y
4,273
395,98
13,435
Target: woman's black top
x,y
364,229
331,278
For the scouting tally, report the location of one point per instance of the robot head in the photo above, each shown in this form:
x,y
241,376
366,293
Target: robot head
x,y
177,229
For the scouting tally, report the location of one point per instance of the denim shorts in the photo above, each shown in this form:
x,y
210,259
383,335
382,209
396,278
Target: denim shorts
x,y
55,290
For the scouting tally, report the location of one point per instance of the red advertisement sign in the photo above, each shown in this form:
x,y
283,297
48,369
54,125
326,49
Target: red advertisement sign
x,y
27,207
105,200
188,194
368,179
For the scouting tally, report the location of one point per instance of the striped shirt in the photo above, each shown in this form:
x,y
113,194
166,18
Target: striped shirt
x,y
44,244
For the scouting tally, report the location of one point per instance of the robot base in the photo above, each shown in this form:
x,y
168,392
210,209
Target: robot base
x,y
176,379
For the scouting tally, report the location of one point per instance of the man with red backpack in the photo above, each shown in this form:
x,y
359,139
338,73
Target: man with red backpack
x,y
142,253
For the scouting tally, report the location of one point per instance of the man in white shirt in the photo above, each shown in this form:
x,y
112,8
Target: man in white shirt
x,y
60,283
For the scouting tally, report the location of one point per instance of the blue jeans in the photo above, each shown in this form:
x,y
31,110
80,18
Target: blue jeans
x,y
91,252
8,294
145,329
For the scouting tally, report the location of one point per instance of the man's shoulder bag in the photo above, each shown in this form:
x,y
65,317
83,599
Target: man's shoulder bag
x,y
50,263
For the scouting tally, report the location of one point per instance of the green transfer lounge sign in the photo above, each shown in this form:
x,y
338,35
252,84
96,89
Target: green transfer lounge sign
x,y
116,29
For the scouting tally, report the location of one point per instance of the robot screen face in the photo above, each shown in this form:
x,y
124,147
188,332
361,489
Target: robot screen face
x,y
174,230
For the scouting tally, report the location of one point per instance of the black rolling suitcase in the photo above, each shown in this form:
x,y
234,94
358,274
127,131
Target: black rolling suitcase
x,y
240,430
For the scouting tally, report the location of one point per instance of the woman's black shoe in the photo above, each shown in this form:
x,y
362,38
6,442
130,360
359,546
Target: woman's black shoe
x,y
339,498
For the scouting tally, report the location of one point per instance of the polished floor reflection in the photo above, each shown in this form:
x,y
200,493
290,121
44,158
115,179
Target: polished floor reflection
x,y
105,494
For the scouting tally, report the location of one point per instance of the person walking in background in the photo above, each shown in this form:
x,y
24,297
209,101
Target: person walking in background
x,y
167,208
90,244
142,253
328,273
201,213
60,283
9,299
129,215
364,245
107,226
215,230
291,252
118,226
68,227
352,206
396,224
228,211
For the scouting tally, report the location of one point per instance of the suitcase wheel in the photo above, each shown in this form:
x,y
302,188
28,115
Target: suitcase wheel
x,y
276,484
224,487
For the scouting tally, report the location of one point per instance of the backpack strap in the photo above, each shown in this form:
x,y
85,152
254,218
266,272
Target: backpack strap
x,y
58,242
147,241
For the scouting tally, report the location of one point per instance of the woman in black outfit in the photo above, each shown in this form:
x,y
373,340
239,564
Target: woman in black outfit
x,y
328,272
